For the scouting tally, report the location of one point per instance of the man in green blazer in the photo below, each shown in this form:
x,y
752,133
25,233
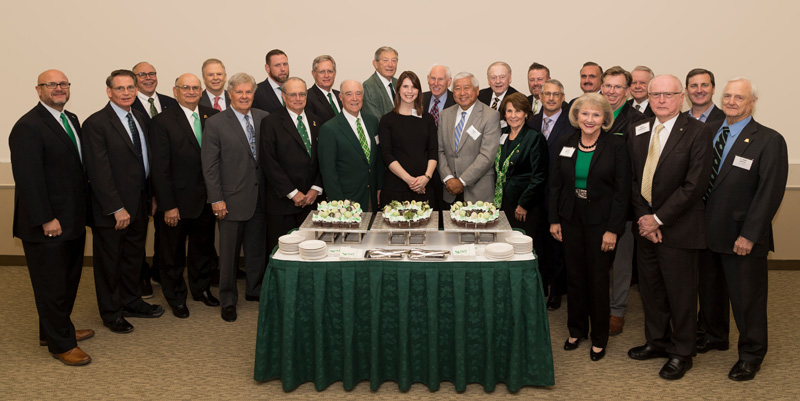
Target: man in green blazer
x,y
380,87
349,157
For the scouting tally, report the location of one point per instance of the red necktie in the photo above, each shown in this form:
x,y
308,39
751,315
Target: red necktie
x,y
216,103
435,110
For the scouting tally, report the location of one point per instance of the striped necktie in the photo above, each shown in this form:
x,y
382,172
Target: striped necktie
x,y
460,127
719,146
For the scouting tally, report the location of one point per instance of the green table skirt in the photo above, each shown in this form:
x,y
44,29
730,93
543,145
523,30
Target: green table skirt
x,y
409,322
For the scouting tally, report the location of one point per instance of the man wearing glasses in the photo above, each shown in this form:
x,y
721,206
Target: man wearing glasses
x,y
118,165
50,212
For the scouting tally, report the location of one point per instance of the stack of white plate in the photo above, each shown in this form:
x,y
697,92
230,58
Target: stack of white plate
x,y
521,243
288,244
499,251
313,249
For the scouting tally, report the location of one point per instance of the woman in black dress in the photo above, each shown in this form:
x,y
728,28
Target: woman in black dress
x,y
409,145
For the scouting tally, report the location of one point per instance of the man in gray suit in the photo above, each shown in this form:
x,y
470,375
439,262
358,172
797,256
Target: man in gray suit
x,y
236,186
379,89
469,136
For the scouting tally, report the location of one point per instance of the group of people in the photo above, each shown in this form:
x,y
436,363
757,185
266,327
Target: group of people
x,y
602,184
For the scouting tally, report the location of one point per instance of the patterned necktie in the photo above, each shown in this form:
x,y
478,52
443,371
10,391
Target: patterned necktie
x,y
546,127
460,127
333,105
535,106
391,89
153,110
69,131
251,136
494,104
719,146
650,164
301,128
362,138
435,110
198,129
216,103
638,107
137,146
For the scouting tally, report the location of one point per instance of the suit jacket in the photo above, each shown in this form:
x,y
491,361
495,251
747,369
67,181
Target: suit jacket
x,y
485,95
607,185
114,170
561,128
527,170
744,201
229,170
346,172
176,167
679,182
376,99
265,98
715,118
49,177
648,112
474,161
627,116
205,101
166,102
426,101
319,106
286,163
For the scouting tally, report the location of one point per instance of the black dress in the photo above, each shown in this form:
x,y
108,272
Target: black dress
x,y
411,141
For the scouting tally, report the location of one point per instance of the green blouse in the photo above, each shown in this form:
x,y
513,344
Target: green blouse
x,y
582,168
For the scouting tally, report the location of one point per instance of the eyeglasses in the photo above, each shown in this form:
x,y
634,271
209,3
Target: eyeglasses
x,y
53,85
609,87
120,89
666,95
553,94
301,95
146,74
187,88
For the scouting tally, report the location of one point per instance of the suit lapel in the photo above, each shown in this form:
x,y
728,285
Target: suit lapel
x,y
58,129
678,131
743,141
350,137
474,118
119,128
236,127
601,144
291,128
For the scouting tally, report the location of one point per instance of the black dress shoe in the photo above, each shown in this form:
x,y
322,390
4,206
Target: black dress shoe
x,y
253,298
744,370
207,298
596,356
145,311
704,345
119,326
229,313
645,352
147,288
568,346
675,368
553,302
180,311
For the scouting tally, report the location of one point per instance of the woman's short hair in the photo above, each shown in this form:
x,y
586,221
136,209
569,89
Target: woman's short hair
x,y
594,100
519,101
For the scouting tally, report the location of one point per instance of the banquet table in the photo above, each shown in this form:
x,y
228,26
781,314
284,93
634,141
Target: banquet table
x,y
477,321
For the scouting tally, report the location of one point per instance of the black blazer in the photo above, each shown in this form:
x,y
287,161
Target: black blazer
x,y
743,202
608,184
205,101
166,102
176,167
486,94
265,99
319,106
48,175
648,112
627,117
714,119
561,129
285,161
114,170
426,101
527,170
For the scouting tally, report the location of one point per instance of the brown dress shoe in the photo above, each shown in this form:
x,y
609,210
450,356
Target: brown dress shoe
x,y
615,324
74,357
80,335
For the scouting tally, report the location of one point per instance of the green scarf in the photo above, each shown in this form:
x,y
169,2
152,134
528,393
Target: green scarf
x,y
502,173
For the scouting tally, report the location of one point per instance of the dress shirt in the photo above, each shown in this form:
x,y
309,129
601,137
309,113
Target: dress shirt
x,y
57,115
662,139
276,88
293,116
352,121
123,118
704,115
552,119
735,130
463,132
386,83
191,119
499,99
442,100
333,96
146,101
642,105
222,102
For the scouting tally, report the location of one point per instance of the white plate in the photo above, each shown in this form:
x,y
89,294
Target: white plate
x,y
318,257
519,239
290,239
312,245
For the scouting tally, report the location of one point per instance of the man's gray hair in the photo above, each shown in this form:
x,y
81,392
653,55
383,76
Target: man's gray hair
x,y
447,72
462,75
753,89
503,63
241,78
320,59
645,69
384,49
555,82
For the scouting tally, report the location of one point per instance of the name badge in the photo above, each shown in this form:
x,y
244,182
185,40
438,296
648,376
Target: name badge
x,y
503,139
473,133
742,162
642,128
377,140
503,124
567,151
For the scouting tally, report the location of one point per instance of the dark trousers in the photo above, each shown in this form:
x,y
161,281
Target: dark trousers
x,y
118,256
55,270
587,276
252,235
174,257
668,285
279,225
712,290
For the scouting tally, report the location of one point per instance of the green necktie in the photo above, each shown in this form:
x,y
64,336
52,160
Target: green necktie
x,y
333,105
362,138
69,130
303,134
153,110
391,89
198,129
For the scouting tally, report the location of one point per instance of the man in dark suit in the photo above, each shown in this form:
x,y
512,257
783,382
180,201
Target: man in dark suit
x,y
538,74
671,159
348,170
700,85
744,194
434,102
214,78
268,94
236,187
117,162
176,135
381,86
290,162
499,76
553,122
639,101
50,205
323,100
590,78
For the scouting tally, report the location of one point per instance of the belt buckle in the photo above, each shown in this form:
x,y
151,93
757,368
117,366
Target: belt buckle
x,y
581,193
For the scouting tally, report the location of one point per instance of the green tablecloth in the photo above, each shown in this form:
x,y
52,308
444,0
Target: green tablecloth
x,y
409,322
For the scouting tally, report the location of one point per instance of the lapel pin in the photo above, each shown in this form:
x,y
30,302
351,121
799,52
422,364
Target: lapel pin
x,y
746,140
205,116
314,123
